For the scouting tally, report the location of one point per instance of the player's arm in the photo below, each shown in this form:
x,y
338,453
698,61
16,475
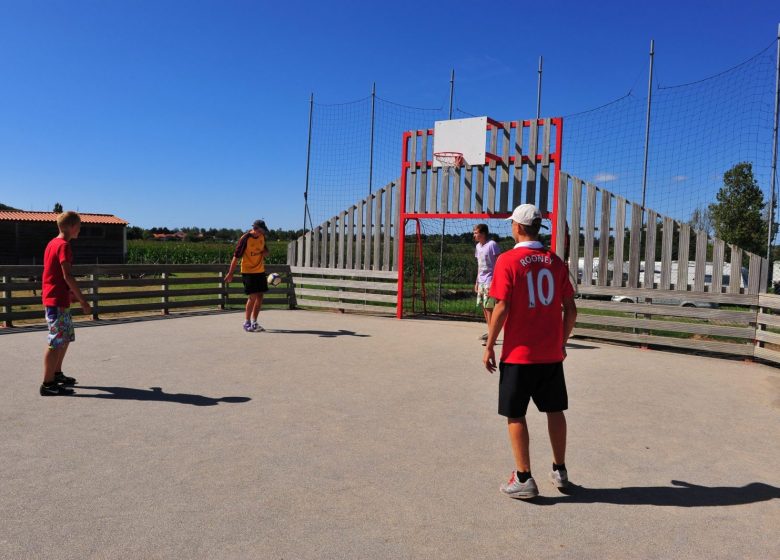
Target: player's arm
x,y
476,280
239,252
74,287
229,275
501,291
569,319
497,320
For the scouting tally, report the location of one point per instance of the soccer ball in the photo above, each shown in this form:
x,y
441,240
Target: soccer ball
x,y
274,279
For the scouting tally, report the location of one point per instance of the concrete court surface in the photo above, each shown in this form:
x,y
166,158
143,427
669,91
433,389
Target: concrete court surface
x,y
346,436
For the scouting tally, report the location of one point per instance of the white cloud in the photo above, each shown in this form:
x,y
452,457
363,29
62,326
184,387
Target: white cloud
x,y
604,177
679,178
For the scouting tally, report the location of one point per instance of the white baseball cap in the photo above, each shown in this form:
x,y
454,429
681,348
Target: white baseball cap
x,y
526,214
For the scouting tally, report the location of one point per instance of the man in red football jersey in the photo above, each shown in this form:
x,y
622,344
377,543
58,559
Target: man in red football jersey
x,y
535,306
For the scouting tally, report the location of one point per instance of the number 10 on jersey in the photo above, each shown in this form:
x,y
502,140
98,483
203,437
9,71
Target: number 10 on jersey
x,y
543,287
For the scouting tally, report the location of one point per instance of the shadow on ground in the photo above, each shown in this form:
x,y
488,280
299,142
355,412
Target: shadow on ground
x,y
682,494
153,394
571,344
79,322
322,334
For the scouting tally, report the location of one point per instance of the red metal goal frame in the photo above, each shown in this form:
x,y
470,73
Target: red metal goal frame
x,y
403,216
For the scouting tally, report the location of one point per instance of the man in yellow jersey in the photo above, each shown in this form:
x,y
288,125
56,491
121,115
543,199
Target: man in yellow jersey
x,y
251,249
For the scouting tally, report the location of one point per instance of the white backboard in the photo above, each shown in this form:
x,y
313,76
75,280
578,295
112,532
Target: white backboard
x,y
467,136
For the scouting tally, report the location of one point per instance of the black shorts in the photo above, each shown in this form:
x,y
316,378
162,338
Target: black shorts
x,y
519,383
255,283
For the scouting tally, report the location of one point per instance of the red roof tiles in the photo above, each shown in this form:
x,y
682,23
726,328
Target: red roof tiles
x,y
22,216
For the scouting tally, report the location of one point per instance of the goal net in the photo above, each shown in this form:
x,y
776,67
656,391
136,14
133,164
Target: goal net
x,y
440,268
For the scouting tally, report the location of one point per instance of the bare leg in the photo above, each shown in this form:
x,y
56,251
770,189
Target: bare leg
x,y
61,358
51,358
250,306
556,426
256,308
488,315
519,439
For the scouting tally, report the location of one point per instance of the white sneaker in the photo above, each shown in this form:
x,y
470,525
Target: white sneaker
x,y
522,490
560,479
257,328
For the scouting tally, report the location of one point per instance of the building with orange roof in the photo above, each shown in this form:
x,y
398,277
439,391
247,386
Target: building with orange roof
x,y
24,235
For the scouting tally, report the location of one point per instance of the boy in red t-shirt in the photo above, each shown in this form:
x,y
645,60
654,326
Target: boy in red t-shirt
x,y
59,287
531,285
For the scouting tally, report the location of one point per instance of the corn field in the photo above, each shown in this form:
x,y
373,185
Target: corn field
x,y
182,252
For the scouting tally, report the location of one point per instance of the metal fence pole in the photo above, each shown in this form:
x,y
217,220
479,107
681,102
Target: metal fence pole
x,y
539,91
308,165
444,220
647,123
371,150
773,180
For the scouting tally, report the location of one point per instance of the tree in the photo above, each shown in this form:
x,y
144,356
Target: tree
x,y
135,232
58,208
701,220
737,217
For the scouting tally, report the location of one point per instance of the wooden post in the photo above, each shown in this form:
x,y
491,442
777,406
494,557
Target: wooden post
x,y
94,284
222,290
292,303
164,299
8,308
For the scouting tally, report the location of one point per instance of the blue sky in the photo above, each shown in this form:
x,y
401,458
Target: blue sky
x,y
182,113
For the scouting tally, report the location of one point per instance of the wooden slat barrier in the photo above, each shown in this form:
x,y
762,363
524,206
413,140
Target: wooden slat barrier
x,y
661,236
362,237
373,291
726,331
768,328
114,289
725,312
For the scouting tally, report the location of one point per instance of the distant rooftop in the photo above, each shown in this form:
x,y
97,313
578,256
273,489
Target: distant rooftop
x,y
24,216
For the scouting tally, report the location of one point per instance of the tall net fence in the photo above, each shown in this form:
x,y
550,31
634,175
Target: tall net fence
x,y
341,169
698,131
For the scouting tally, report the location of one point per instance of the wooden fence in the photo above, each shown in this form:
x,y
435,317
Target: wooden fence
x,y
114,289
630,250
648,279
362,237
372,291
768,328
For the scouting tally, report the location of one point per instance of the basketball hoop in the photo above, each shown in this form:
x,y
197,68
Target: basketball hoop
x,y
449,159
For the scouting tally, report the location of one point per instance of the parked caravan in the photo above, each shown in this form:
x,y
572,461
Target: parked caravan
x,y
689,301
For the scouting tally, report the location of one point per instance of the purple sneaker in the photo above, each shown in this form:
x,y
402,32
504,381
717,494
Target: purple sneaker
x,y
248,326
